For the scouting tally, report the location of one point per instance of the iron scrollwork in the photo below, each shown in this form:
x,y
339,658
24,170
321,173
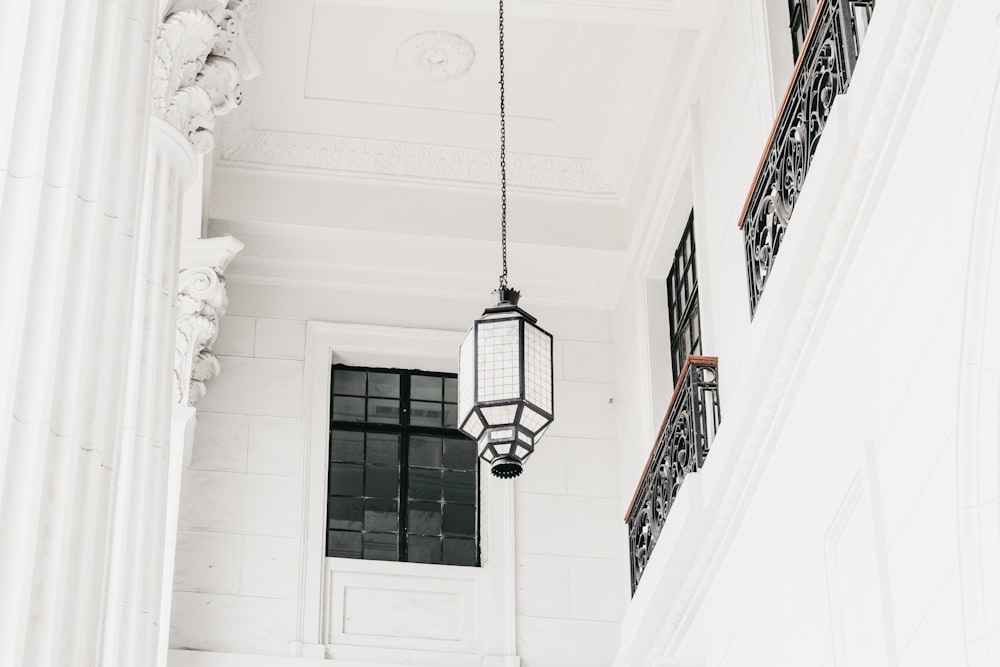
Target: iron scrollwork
x,y
823,72
681,447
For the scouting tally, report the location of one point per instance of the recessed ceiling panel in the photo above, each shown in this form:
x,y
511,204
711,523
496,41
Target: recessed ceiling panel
x,y
434,60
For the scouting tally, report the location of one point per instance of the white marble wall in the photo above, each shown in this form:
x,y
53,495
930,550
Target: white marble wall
x,y
237,553
237,561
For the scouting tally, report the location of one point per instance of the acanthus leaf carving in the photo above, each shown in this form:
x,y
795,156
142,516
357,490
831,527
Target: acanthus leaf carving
x,y
197,76
201,303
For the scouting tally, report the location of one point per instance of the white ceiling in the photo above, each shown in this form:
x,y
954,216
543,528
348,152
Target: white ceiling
x,y
380,116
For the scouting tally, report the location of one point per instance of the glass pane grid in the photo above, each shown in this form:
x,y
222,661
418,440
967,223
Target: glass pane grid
x,y
437,520
682,300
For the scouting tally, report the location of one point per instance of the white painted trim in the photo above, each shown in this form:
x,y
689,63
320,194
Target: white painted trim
x,y
433,350
182,425
165,136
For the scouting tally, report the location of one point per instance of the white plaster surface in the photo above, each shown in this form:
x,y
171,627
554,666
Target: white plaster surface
x,y
280,339
220,442
267,387
275,446
236,336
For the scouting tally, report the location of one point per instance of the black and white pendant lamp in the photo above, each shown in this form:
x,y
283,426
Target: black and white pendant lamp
x,y
505,361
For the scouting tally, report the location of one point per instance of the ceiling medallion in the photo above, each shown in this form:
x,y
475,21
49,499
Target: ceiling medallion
x,y
436,55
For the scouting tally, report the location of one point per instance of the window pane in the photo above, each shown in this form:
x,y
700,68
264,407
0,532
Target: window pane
x,y
425,388
381,482
424,518
346,479
425,484
383,385
383,449
349,382
344,513
425,414
460,454
348,409
460,487
459,520
347,446
451,390
380,546
450,415
459,551
425,451
423,549
381,515
383,410
340,544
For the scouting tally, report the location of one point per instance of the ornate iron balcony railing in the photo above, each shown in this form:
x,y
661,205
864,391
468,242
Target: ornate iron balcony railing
x,y
681,447
823,71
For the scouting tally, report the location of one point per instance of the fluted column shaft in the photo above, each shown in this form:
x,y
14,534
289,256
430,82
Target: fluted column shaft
x,y
72,148
140,507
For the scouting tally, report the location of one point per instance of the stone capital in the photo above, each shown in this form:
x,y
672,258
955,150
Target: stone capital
x,y
201,303
201,56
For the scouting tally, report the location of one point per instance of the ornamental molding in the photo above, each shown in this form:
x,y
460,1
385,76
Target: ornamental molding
x,y
201,303
242,145
200,58
436,55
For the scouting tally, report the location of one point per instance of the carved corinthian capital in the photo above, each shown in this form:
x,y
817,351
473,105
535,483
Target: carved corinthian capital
x,y
201,303
201,57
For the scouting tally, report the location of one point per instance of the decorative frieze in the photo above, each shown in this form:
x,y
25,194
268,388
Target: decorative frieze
x,y
200,60
201,303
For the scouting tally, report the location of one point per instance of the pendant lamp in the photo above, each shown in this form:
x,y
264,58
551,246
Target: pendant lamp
x,y
505,361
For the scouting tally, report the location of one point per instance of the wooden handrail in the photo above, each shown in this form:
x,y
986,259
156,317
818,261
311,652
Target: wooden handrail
x,y
692,359
781,108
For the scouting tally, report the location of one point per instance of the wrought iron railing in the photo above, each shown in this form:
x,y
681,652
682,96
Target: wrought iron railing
x,y
681,447
823,71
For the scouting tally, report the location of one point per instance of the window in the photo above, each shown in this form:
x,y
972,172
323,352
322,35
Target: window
x,y
800,14
403,481
682,302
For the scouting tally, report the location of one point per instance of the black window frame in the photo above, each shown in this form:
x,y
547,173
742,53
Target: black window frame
x,y
800,16
405,431
683,307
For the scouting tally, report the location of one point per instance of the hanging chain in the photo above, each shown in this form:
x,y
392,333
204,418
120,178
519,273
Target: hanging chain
x,y
503,162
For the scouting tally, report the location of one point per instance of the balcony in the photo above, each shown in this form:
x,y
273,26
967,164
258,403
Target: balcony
x,y
822,72
680,448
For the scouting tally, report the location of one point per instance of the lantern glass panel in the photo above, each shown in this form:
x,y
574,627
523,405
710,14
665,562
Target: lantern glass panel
x,y
500,414
473,427
532,420
498,367
537,367
467,377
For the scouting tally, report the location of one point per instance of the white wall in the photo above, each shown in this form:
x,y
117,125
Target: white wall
x,y
237,564
824,528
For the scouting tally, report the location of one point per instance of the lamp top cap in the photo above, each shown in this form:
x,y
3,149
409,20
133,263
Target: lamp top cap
x,y
503,296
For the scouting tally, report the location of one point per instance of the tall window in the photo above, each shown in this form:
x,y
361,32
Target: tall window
x,y
800,14
404,482
682,302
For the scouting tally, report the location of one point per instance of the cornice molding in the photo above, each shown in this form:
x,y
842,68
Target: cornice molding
x,y
201,303
240,144
200,58
244,146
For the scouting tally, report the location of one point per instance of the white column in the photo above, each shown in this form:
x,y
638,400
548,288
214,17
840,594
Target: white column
x,y
88,271
72,73
194,82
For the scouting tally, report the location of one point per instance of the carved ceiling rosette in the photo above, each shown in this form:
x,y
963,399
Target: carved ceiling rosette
x,y
200,59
